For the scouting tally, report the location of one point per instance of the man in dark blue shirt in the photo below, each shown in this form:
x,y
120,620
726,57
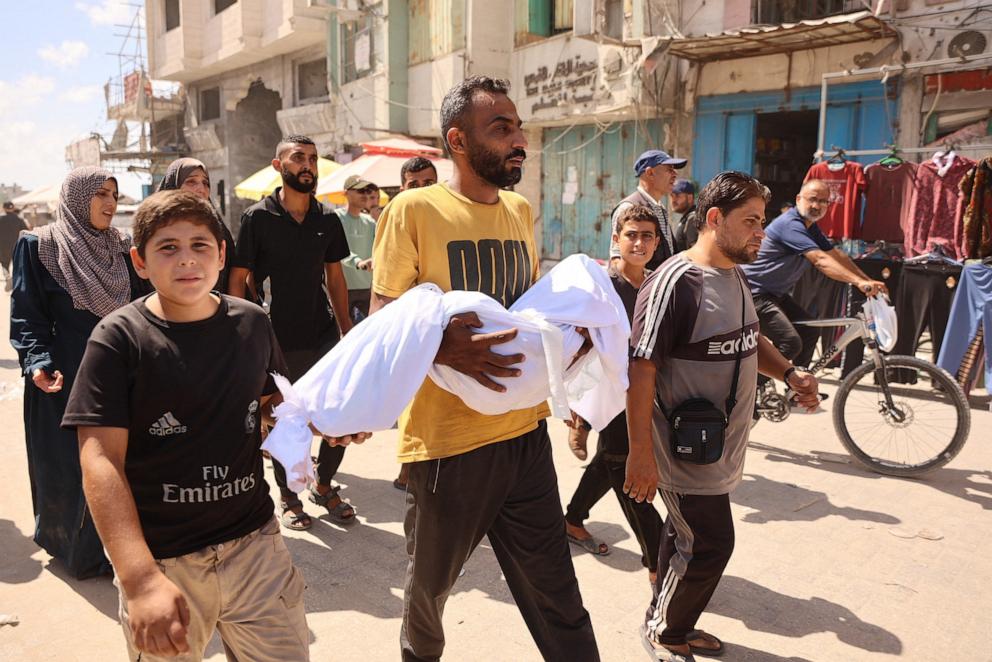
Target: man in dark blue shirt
x,y
792,242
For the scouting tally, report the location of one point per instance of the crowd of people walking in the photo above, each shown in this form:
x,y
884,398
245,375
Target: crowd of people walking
x,y
149,370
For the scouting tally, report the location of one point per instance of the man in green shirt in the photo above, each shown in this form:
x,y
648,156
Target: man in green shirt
x,y
359,228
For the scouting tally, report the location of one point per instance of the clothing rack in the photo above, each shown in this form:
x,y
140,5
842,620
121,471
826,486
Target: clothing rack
x,y
883,72
909,150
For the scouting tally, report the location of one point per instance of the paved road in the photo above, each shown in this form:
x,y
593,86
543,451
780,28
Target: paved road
x,y
832,562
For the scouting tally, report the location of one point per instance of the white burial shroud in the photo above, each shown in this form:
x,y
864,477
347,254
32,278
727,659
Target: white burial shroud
x,y
364,383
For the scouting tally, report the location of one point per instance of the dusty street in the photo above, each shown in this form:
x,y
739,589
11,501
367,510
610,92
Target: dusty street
x,y
831,564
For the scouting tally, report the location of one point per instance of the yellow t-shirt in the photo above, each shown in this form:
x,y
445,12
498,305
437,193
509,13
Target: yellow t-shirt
x,y
435,235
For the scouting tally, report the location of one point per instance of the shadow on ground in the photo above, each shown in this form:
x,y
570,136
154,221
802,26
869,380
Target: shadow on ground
x,y
967,484
762,610
16,550
776,501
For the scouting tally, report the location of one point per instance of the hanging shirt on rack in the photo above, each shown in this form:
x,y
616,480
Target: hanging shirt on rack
x,y
846,182
933,213
974,238
888,195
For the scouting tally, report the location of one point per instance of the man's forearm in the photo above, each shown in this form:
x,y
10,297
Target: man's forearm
x,y
771,363
379,301
846,260
337,291
236,282
834,269
640,406
115,515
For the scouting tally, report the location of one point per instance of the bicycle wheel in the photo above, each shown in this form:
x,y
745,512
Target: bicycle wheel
x,y
924,429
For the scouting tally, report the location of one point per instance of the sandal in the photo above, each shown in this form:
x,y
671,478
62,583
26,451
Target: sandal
x,y
398,484
294,521
659,652
342,512
706,651
592,544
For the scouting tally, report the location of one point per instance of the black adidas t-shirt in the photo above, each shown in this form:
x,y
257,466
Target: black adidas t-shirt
x,y
188,393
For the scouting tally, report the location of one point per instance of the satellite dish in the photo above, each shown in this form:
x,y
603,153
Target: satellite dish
x,y
971,42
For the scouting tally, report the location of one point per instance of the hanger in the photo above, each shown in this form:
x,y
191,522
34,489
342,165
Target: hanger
x,y
837,161
892,158
935,255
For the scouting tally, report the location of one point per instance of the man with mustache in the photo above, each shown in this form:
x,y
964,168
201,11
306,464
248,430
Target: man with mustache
x,y
695,340
473,475
792,242
297,244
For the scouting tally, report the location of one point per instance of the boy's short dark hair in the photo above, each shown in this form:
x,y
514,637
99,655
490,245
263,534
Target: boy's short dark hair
x,y
416,164
164,208
458,100
728,191
639,214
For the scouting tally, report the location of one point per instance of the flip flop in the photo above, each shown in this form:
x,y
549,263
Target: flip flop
x,y
659,653
702,650
592,544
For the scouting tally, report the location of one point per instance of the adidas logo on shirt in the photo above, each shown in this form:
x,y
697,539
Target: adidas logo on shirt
x,y
726,347
166,425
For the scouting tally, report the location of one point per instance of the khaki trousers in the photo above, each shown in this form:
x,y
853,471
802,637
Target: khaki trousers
x,y
249,590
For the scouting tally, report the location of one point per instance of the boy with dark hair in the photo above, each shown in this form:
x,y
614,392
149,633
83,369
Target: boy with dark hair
x,y
637,233
167,406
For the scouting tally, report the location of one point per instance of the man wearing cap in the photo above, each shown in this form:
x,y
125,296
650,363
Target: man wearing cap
x,y
684,202
656,176
10,228
359,228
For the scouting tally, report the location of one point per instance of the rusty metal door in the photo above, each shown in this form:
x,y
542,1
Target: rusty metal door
x,y
585,171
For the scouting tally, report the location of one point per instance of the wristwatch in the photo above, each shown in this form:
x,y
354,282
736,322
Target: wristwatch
x,y
788,371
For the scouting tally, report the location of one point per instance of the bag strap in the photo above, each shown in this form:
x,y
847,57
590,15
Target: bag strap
x,y
732,398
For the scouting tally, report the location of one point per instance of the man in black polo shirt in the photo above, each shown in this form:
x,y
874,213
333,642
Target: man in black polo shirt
x,y
297,244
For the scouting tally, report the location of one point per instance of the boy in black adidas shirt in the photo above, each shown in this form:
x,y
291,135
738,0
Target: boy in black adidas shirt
x,y
168,404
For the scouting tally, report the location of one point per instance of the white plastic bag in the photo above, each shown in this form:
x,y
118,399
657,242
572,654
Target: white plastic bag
x,y
881,311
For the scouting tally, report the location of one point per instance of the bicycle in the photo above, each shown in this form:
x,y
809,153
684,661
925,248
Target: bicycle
x,y
884,413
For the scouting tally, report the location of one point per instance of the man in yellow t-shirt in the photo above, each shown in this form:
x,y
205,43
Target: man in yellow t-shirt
x,y
473,475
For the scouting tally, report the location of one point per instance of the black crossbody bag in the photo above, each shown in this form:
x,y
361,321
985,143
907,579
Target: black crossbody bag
x,y
698,427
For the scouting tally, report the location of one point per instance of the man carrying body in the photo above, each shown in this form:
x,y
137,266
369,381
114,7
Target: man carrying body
x,y
10,229
474,475
693,322
417,173
684,202
792,242
359,228
656,176
298,243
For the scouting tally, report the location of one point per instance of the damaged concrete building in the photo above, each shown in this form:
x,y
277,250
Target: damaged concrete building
x,y
724,83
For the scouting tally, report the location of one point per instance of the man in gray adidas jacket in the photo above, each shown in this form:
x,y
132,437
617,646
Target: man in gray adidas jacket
x,y
694,320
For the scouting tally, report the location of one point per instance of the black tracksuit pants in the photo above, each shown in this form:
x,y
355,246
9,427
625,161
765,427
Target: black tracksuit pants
x,y
696,545
607,470
776,315
507,491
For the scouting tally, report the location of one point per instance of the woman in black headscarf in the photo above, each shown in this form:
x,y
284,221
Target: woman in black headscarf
x,y
67,276
191,175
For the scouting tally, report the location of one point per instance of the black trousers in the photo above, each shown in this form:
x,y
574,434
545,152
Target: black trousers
x,y
507,491
329,458
775,317
607,471
696,546
926,292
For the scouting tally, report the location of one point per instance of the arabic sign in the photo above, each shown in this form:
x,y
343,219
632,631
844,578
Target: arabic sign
x,y
572,81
